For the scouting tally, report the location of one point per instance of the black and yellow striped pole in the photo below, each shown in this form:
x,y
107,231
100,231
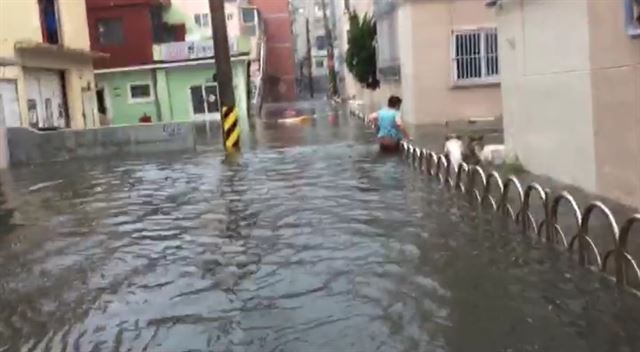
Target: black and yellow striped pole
x,y
230,125
230,128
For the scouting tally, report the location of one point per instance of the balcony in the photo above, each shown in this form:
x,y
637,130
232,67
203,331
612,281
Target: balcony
x,y
196,49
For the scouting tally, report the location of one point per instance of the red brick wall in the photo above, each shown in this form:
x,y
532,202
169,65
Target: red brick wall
x,y
137,48
280,67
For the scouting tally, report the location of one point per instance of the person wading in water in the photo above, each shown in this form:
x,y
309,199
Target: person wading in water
x,y
389,125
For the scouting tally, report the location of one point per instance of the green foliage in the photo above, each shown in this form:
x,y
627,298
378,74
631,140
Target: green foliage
x,y
361,51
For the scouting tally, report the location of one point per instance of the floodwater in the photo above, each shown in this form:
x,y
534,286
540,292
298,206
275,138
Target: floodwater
x,y
312,241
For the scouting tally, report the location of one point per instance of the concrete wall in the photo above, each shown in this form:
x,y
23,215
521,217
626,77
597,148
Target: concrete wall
x,y
119,109
409,71
73,19
4,148
615,83
573,114
19,20
546,87
27,146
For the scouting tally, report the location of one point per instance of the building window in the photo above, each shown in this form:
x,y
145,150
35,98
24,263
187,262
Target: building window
x,y
140,92
110,31
321,42
202,20
475,56
319,63
632,17
249,15
249,21
204,100
229,17
50,21
387,44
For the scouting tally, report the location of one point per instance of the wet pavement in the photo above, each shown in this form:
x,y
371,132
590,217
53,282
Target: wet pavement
x,y
312,241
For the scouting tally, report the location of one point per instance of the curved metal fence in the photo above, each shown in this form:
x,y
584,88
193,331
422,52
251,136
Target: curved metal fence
x,y
498,194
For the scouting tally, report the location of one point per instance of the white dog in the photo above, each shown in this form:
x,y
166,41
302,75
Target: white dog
x,y
492,153
453,149
474,153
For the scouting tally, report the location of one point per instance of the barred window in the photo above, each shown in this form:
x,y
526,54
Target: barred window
x,y
632,17
388,50
475,55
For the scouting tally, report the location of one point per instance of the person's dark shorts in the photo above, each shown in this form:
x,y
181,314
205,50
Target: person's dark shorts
x,y
389,145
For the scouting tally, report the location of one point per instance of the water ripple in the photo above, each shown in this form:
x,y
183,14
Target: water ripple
x,y
312,248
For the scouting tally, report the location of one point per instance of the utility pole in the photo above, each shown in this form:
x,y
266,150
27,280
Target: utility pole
x,y
230,124
309,63
331,63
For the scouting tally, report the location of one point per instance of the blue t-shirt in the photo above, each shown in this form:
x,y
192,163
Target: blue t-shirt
x,y
387,126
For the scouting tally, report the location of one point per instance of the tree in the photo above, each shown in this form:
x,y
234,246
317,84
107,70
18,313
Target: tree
x,y
361,50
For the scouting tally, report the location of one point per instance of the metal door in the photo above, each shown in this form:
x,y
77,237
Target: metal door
x,y
45,99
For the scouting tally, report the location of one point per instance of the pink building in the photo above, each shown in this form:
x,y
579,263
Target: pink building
x,y
280,59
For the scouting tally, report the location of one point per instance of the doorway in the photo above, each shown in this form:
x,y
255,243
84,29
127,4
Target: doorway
x,y
205,102
102,101
46,99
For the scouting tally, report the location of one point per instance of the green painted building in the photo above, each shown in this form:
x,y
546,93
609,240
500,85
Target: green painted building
x,y
168,91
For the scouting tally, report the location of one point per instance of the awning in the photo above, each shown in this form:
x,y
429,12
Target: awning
x,y
29,46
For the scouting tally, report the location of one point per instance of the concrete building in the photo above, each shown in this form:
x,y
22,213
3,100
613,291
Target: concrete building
x,y
571,91
244,22
279,69
166,77
46,72
194,14
440,56
163,92
312,12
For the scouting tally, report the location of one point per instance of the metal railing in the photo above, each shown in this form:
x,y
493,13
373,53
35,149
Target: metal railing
x,y
491,191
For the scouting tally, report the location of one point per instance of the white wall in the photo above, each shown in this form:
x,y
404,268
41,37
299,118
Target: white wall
x,y
546,87
406,37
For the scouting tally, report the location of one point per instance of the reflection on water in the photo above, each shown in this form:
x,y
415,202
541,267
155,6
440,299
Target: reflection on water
x,y
323,246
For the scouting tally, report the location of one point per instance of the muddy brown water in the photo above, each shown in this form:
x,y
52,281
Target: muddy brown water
x,y
312,241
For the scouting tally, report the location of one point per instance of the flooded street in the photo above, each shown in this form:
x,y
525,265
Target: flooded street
x,y
311,242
